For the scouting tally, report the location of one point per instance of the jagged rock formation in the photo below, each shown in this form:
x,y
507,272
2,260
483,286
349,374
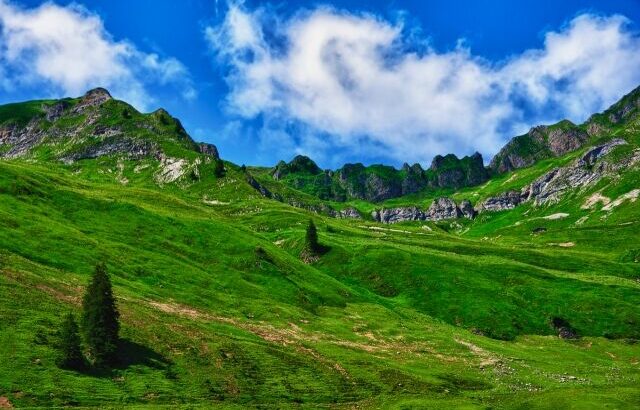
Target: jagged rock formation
x,y
130,148
539,143
401,214
467,209
584,171
380,182
506,200
550,187
451,172
441,208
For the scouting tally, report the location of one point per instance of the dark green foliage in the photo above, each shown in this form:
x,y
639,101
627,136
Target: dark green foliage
x,y
311,239
219,170
69,345
100,317
243,168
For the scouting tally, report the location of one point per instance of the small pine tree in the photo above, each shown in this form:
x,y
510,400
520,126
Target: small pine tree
x,y
312,238
243,168
100,316
219,170
69,345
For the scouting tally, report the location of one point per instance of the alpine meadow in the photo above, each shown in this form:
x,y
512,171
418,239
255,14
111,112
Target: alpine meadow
x,y
139,268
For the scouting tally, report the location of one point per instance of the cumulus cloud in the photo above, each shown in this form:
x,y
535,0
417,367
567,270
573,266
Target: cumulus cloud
x,y
362,83
68,50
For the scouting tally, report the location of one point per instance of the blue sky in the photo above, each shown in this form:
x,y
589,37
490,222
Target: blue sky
x,y
341,81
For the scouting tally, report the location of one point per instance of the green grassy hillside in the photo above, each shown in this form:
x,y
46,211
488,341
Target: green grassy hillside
x,y
219,309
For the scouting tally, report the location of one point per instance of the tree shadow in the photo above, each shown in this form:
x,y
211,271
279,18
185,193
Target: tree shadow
x,y
323,249
130,354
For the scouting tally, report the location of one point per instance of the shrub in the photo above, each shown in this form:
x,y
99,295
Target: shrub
x,y
69,345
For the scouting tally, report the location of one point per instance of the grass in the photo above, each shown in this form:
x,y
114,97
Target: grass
x,y
384,319
218,309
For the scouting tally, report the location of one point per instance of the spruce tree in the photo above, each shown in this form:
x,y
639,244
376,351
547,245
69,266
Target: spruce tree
x,y
100,318
69,345
312,238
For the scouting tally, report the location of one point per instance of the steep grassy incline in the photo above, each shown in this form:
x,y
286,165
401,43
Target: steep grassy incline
x,y
218,308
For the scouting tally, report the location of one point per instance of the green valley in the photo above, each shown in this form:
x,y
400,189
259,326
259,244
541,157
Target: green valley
x,y
459,286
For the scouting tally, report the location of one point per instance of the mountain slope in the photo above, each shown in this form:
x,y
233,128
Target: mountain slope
x,y
544,142
219,309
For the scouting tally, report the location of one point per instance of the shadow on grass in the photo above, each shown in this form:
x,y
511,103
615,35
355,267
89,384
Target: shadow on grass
x,y
130,354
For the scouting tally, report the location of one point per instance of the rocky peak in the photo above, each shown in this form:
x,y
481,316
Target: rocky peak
x,y
350,170
544,142
451,172
623,109
209,149
302,163
92,98
299,164
539,143
440,162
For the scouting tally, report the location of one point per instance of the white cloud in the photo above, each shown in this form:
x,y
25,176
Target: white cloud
x,y
359,82
69,50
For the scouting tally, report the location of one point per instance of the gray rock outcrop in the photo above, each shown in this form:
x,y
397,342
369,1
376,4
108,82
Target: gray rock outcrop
x,y
209,150
550,187
440,209
506,200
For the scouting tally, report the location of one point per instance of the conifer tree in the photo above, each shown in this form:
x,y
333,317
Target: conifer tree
x,y
69,345
100,316
312,238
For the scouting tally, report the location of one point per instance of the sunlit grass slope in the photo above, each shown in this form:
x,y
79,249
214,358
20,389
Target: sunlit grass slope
x,y
218,308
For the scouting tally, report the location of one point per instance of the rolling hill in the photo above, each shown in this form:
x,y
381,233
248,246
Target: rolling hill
x,y
515,285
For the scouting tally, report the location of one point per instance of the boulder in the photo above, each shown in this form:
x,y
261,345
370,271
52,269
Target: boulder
x,y
443,208
400,214
467,209
506,200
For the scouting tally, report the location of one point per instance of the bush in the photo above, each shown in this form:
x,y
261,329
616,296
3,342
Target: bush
x,y
69,345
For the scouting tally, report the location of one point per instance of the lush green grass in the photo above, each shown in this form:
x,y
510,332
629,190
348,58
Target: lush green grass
x,y
382,320
219,309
